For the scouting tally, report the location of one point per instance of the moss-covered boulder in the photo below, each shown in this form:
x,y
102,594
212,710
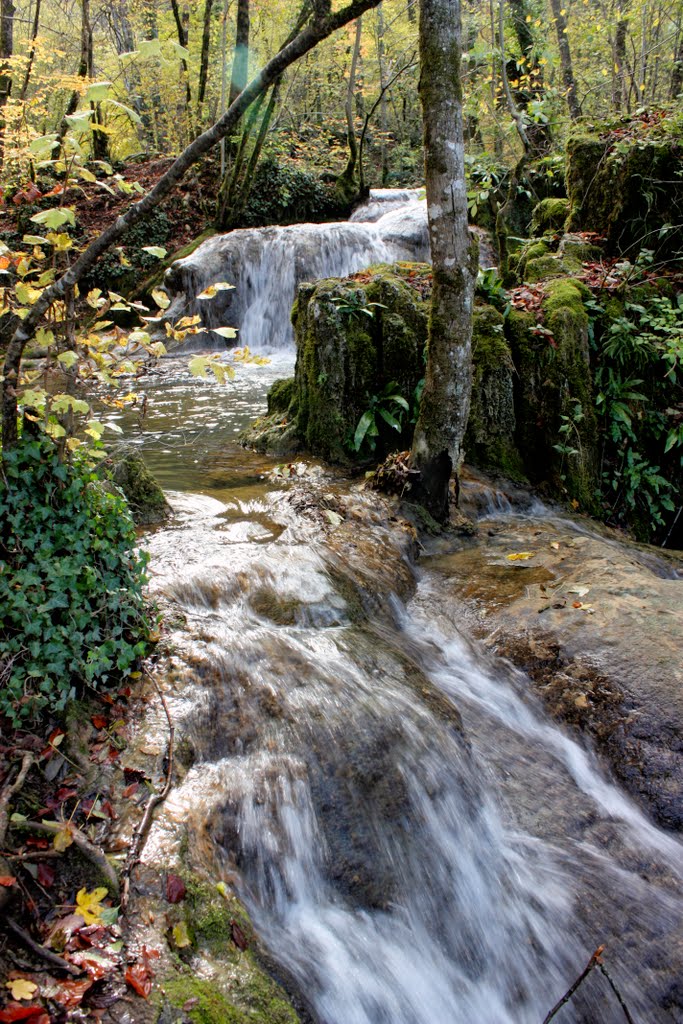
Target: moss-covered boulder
x,y
354,338
144,495
549,216
550,265
626,184
490,440
556,426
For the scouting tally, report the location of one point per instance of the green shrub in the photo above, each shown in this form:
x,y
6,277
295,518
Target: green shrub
x,y
71,581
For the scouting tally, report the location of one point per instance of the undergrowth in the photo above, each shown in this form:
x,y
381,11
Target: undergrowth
x,y
70,581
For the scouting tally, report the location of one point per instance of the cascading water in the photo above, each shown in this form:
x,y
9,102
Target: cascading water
x,y
267,264
417,843
403,865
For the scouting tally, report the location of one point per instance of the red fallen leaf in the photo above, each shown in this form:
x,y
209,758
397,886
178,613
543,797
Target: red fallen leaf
x,y
238,936
97,965
94,934
46,875
7,880
99,721
175,889
70,993
56,191
113,754
130,790
39,842
15,1011
108,808
139,978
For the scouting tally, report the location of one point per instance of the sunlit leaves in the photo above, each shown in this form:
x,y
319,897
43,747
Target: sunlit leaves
x,y
161,298
89,904
155,250
55,217
214,289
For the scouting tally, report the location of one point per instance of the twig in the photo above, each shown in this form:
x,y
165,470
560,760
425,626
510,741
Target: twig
x,y
41,951
620,998
140,835
593,962
9,791
93,853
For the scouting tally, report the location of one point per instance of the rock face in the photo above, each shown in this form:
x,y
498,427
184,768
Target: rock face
x,y
597,627
146,499
627,187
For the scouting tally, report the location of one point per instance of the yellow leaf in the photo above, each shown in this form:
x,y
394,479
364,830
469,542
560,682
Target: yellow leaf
x,y
161,298
181,936
63,840
22,988
581,701
520,556
89,904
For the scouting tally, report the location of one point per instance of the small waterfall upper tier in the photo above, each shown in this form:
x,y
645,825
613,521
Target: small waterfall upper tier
x,y
266,265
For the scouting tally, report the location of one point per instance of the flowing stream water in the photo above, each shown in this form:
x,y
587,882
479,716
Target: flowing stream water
x,y
416,841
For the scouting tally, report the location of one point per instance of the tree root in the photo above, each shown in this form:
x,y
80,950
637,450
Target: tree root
x,y
9,791
142,831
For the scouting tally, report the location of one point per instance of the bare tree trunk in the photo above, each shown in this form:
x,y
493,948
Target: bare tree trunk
x,y
7,12
204,60
677,73
320,28
619,64
383,93
565,59
440,429
182,22
240,60
32,52
349,172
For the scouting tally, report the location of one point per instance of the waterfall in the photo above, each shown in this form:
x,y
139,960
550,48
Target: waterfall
x,y
266,265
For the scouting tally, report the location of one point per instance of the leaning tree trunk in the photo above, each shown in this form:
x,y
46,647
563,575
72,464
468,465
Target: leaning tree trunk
x,y
440,429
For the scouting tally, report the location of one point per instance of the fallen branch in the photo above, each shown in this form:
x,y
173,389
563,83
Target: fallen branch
x,y
593,962
9,791
40,951
91,852
140,835
620,998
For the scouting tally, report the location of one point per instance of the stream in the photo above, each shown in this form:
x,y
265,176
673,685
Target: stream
x,y
416,841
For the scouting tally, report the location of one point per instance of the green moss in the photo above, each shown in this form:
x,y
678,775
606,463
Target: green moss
x,y
206,1004
544,267
144,495
576,249
571,293
549,216
281,395
626,188
489,442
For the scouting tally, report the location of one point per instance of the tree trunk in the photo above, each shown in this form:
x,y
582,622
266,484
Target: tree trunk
x,y
314,33
7,12
618,89
349,172
539,135
204,61
440,429
677,73
383,94
32,52
182,23
565,59
240,60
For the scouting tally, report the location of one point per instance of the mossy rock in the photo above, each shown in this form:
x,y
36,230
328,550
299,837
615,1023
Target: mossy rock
x,y
257,1001
626,190
144,495
549,216
574,247
548,266
553,390
281,395
490,439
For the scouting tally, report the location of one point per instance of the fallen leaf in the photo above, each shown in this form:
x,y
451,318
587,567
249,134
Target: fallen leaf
x,y
46,875
63,840
181,936
555,545
22,988
99,721
88,904
333,517
175,889
70,993
579,589
15,1011
581,701
520,556
7,880
238,936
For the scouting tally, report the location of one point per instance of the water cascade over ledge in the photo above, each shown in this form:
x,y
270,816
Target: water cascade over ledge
x,y
266,265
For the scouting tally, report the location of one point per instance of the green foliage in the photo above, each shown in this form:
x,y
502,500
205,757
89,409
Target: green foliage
x,y
388,406
70,581
639,384
353,304
285,194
